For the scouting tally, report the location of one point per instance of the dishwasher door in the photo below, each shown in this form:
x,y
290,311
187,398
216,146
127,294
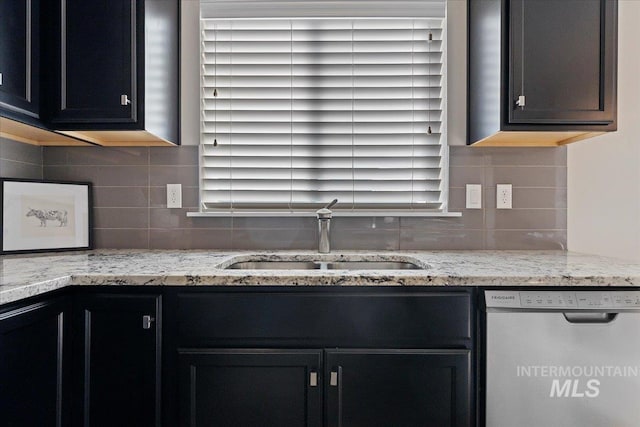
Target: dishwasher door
x,y
561,367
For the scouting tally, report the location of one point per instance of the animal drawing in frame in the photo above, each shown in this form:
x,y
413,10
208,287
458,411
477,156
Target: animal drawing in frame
x,y
42,216
49,215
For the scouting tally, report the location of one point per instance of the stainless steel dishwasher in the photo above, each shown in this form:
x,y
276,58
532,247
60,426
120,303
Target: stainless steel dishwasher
x,y
562,358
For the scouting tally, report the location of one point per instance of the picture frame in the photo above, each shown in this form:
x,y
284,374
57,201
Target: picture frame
x,y
45,216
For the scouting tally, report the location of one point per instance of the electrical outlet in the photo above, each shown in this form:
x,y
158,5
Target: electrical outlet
x,y
503,196
174,196
474,196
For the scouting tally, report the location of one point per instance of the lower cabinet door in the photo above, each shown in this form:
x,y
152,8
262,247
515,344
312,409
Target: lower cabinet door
x,y
119,337
34,365
398,388
250,388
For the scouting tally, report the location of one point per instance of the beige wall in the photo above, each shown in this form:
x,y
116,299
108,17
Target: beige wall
x,y
604,172
457,72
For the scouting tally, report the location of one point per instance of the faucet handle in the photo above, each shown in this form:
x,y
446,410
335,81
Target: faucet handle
x,y
330,205
325,213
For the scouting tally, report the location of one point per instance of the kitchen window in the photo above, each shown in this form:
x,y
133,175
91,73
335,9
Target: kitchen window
x,y
297,111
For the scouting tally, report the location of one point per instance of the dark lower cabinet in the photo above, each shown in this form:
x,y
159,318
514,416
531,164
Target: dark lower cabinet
x,y
35,364
301,358
362,388
408,388
248,388
319,357
118,371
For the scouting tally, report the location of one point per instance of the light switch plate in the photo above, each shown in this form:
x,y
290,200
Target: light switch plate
x,y
503,196
474,196
174,196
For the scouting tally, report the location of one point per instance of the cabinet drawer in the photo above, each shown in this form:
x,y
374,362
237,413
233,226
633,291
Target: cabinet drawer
x,y
325,318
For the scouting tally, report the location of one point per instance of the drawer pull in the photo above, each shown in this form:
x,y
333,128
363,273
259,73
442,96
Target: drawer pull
x,y
333,381
313,379
147,321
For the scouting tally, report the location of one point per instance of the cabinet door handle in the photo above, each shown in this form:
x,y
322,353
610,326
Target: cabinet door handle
x,y
333,379
124,100
147,321
521,101
313,379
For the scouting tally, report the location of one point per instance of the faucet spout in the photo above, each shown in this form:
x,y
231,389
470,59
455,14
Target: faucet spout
x,y
324,227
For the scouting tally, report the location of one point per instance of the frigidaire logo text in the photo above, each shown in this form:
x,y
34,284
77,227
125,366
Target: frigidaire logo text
x,y
503,297
576,381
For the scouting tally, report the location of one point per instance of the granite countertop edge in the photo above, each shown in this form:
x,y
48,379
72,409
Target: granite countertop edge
x,y
30,275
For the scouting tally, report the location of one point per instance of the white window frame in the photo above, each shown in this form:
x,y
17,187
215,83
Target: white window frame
x,y
239,10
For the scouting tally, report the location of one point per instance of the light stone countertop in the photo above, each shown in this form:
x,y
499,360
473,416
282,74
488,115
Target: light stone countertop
x,y
22,276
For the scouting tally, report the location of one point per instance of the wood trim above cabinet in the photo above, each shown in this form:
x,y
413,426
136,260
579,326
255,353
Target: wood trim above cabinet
x,y
534,139
28,134
138,138
21,132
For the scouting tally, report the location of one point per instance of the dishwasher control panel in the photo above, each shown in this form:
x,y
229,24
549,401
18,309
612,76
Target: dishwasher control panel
x,y
578,300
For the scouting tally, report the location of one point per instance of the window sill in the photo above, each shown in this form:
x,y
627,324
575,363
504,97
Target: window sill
x,y
336,214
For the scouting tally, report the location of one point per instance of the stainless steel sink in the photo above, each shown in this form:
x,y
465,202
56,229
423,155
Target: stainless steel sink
x,y
324,265
372,265
274,265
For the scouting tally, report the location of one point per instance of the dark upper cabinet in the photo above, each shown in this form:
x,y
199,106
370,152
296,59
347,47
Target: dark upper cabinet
x,y
541,72
251,387
114,67
118,350
562,61
20,59
98,64
35,362
408,388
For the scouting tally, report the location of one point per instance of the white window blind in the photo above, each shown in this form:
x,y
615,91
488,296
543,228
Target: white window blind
x,y
297,112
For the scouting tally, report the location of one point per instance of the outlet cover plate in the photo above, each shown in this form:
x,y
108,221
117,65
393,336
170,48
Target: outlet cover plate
x,y
503,196
474,196
174,196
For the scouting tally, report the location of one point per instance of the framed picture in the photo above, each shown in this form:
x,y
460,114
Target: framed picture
x,y
43,216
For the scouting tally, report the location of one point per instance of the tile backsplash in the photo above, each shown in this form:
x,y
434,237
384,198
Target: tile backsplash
x,y
18,160
130,200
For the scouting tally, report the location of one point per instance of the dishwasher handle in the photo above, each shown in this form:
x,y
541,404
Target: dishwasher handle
x,y
596,318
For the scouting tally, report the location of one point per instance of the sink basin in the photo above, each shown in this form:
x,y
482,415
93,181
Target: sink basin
x,y
324,265
372,265
274,265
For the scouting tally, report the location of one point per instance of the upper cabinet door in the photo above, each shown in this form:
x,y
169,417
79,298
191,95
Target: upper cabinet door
x,y
97,60
562,61
19,57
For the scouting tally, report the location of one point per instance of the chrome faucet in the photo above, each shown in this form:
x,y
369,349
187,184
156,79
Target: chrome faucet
x,y
324,219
